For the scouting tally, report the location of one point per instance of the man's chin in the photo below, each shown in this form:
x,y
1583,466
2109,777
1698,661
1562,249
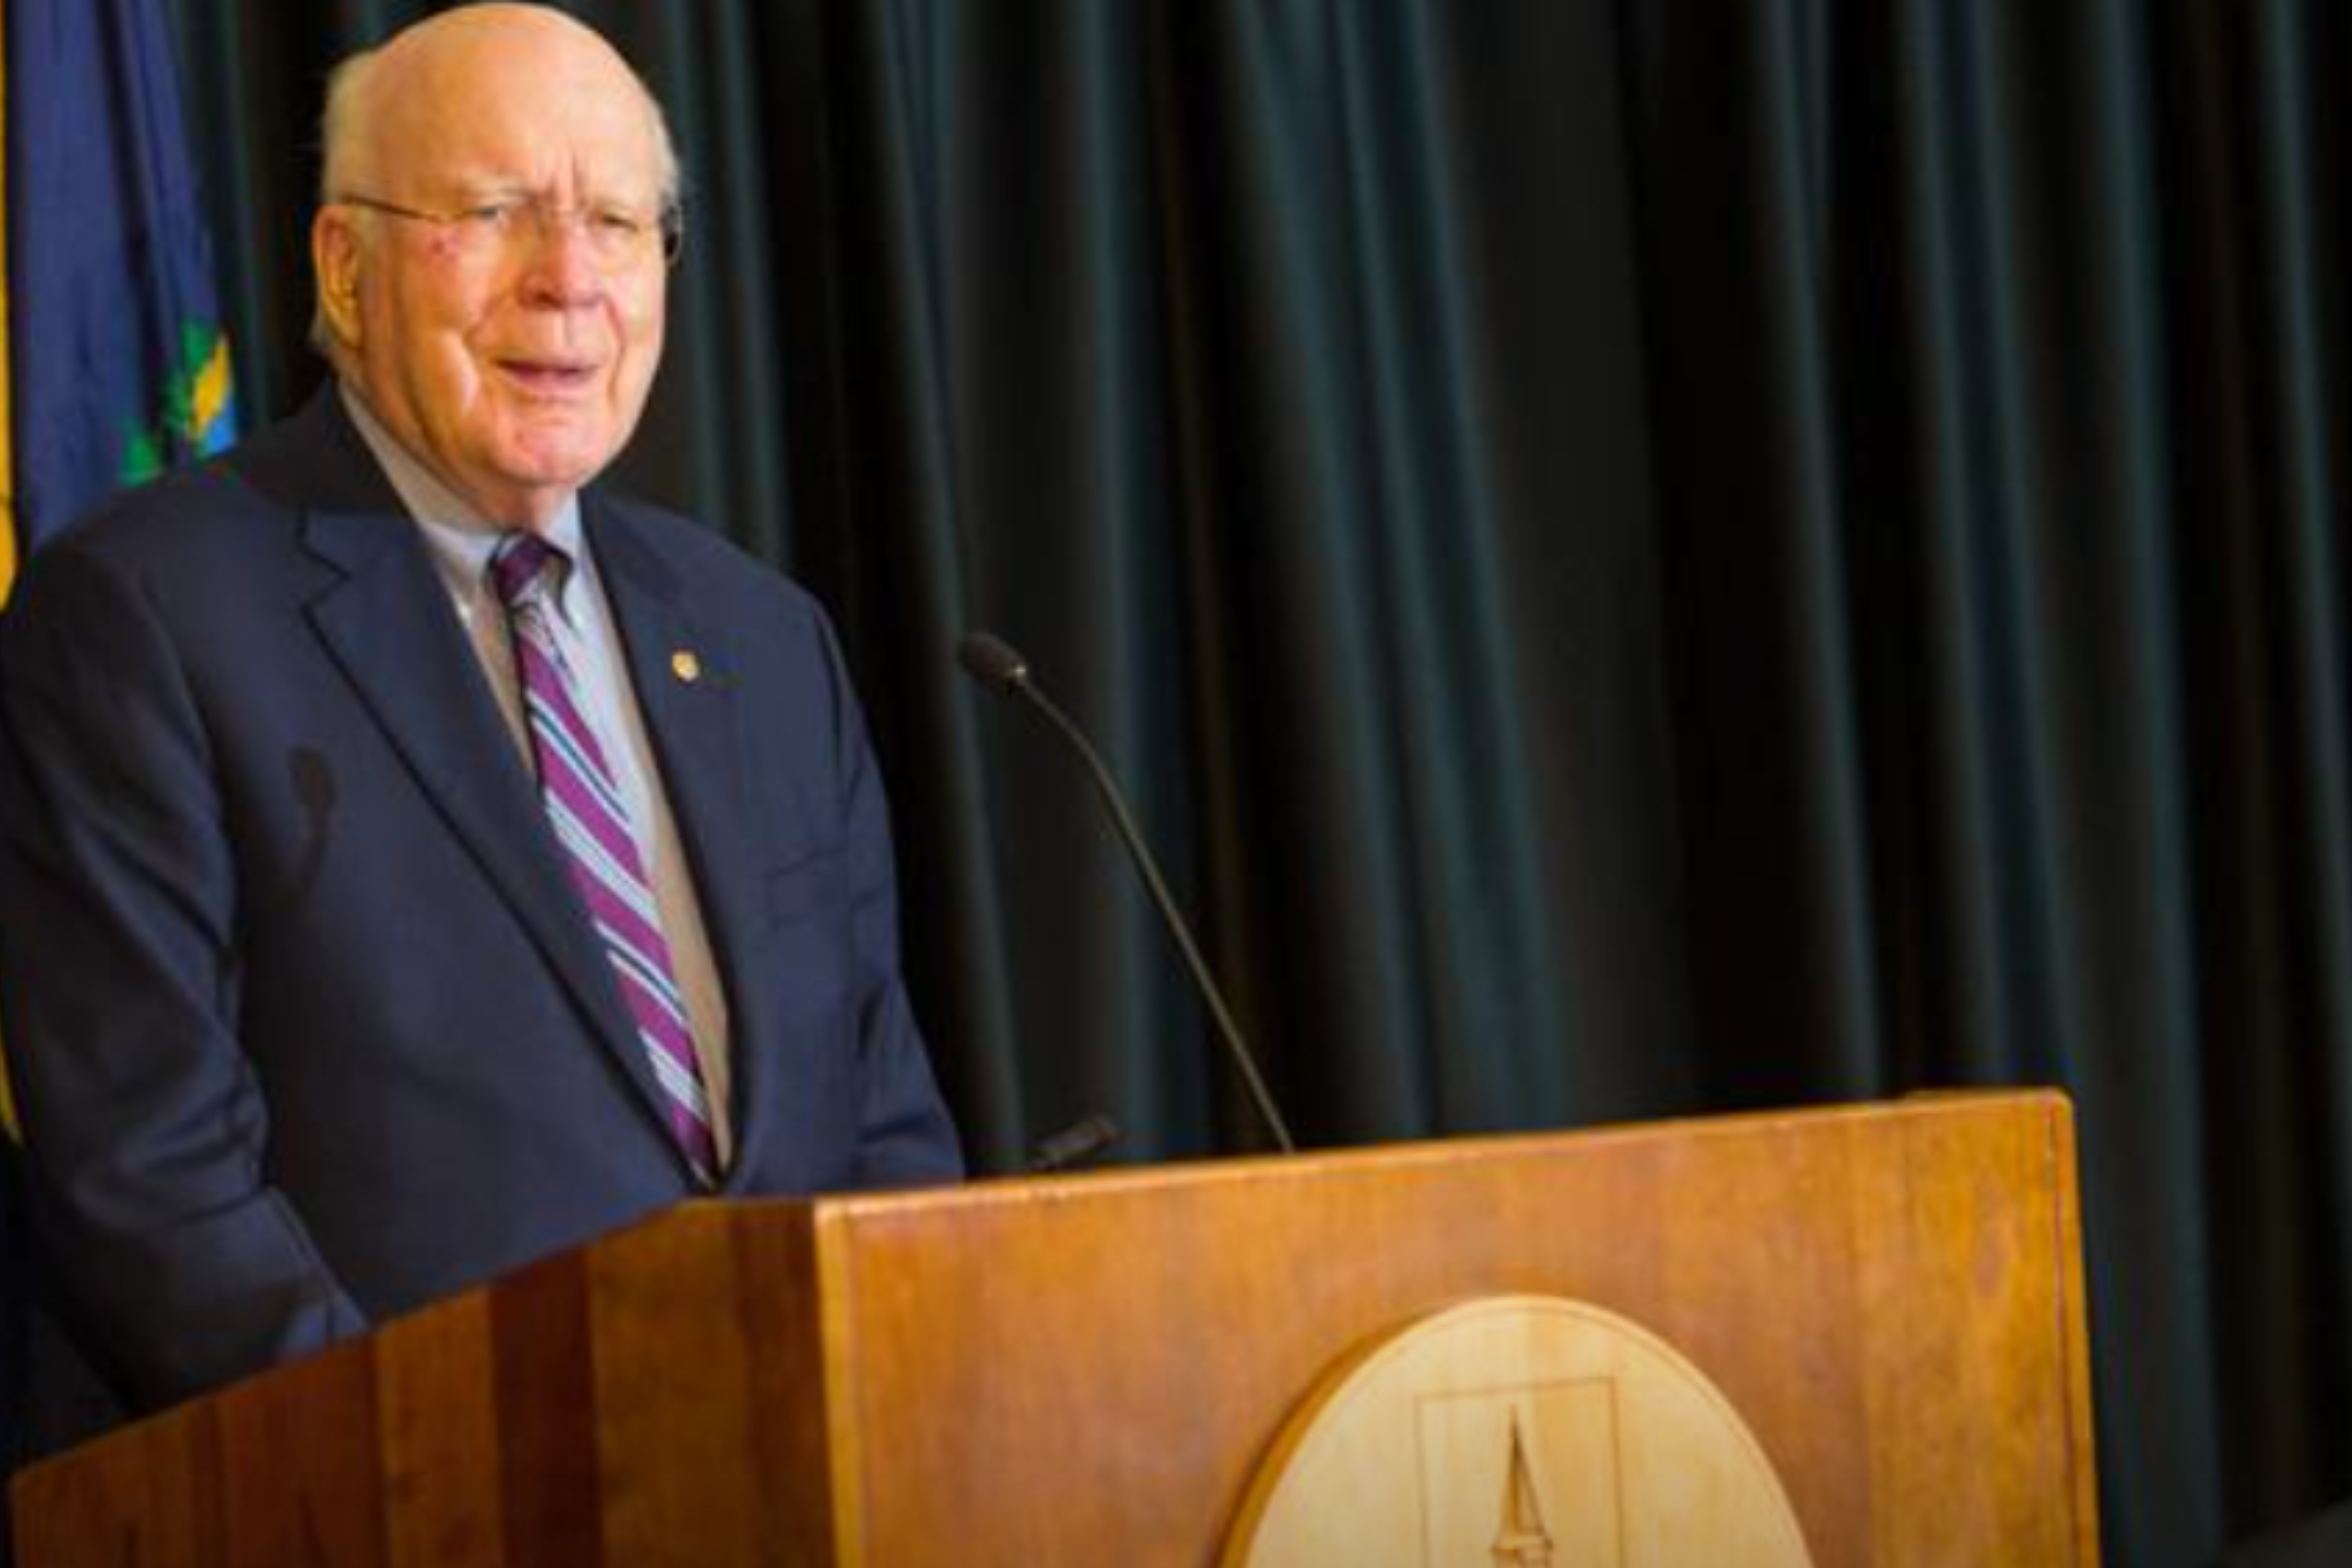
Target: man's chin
x,y
556,465
520,496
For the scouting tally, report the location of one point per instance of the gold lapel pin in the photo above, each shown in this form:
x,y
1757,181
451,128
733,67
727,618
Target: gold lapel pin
x,y
684,666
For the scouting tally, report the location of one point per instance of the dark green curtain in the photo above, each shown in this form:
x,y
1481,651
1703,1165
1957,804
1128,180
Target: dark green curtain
x,y
1638,558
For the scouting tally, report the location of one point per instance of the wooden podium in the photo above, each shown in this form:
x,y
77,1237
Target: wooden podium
x,y
1090,1370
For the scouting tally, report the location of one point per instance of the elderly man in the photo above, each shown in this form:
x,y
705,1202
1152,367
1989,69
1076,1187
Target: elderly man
x,y
412,861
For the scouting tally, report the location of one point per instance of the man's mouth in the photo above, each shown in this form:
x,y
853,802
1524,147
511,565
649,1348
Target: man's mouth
x,y
547,377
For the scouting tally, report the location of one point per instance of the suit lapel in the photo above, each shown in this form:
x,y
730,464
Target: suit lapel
x,y
686,675
389,625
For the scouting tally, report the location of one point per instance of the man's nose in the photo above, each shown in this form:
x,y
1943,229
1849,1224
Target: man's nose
x,y
560,266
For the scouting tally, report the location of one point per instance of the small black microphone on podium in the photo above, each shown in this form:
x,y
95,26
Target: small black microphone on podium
x,y
994,663
1079,1145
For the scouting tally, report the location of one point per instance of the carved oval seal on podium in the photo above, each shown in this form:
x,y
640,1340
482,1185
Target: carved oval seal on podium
x,y
1517,1432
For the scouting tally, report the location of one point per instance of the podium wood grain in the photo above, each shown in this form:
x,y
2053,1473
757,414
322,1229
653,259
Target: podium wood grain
x,y
1088,1369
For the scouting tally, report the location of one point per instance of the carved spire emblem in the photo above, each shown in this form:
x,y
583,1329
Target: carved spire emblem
x,y
1522,1542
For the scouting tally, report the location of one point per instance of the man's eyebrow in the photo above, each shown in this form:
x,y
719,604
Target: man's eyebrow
x,y
470,192
485,188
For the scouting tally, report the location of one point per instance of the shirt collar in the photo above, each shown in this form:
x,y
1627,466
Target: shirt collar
x,y
460,538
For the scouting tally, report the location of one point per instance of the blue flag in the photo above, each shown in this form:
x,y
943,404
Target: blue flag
x,y
118,367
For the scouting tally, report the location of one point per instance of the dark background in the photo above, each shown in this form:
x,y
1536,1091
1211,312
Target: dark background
x,y
1637,558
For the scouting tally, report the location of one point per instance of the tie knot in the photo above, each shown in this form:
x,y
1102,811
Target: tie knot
x,y
520,564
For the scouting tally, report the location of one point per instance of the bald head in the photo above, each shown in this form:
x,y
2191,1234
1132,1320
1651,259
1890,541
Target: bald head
x,y
376,97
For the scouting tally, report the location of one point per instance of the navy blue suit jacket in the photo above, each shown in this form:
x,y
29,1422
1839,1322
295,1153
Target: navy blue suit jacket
x,y
307,1022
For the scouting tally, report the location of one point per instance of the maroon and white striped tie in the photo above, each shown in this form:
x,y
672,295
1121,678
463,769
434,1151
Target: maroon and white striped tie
x,y
591,824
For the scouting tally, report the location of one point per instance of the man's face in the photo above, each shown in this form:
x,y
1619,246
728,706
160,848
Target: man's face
x,y
515,366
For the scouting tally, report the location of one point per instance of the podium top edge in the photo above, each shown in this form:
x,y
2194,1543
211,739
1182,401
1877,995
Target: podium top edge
x,y
2040,1103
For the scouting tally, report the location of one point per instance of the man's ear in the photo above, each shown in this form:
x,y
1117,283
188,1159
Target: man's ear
x,y
335,256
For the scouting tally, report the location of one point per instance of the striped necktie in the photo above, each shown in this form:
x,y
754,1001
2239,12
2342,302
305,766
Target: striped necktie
x,y
592,824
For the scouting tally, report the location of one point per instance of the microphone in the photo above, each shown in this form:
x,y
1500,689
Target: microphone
x,y
1074,1145
995,664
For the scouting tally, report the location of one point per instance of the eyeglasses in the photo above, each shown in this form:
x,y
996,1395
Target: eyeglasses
x,y
617,236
